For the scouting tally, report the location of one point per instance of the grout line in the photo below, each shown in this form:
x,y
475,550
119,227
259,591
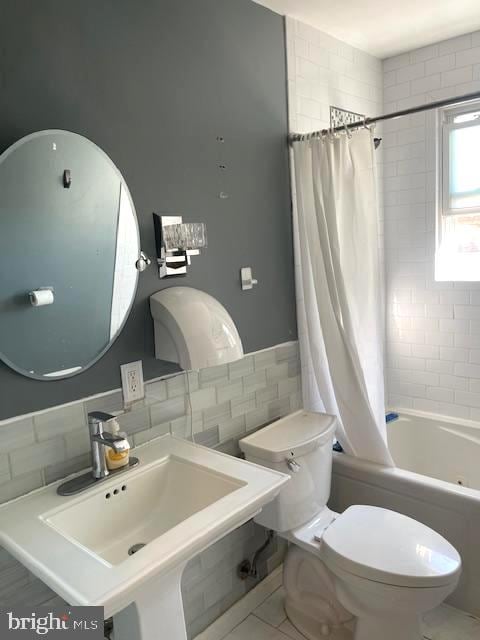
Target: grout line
x,y
273,626
282,635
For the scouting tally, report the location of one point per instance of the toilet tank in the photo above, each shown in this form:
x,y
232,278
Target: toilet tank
x,y
301,445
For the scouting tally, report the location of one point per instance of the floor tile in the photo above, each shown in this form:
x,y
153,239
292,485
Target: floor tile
x,y
268,622
255,629
447,623
272,611
289,630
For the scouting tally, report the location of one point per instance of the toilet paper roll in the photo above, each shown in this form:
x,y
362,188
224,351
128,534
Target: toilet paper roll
x,y
42,297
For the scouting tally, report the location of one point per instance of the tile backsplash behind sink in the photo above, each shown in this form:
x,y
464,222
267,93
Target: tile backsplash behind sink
x,y
220,404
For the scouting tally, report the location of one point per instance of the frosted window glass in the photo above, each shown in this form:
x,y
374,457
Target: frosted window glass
x,y
467,117
465,168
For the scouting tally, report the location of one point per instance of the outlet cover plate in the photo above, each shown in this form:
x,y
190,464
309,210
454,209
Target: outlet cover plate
x,y
132,382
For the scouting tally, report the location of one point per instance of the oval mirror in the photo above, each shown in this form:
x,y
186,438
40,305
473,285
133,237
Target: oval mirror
x,y
69,243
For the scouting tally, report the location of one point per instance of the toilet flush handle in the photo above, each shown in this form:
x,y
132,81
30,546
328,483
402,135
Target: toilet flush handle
x,y
293,465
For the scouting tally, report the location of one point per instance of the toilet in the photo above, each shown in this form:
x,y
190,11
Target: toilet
x,y
368,573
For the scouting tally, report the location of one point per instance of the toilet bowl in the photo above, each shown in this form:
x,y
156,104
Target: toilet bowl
x,y
368,573
387,611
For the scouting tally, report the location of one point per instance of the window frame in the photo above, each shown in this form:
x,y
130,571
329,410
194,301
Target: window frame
x,y
447,125
455,272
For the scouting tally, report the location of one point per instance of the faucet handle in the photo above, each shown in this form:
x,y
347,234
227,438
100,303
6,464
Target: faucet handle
x,y
118,443
100,416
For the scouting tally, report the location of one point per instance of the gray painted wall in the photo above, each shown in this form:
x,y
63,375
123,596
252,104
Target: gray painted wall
x,y
154,83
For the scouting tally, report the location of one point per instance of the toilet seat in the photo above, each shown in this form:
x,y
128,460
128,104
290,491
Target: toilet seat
x,y
389,548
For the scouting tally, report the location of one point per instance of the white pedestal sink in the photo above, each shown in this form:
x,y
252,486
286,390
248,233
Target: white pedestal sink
x,y
157,611
178,501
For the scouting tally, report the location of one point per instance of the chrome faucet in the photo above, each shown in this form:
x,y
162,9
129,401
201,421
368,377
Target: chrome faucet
x,y
100,439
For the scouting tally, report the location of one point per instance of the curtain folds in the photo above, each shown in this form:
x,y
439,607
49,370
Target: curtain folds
x,y
339,281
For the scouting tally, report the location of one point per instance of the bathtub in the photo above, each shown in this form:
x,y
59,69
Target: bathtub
x,y
436,481
436,446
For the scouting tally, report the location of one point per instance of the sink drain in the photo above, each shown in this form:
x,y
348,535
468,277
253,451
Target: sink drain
x,y
136,547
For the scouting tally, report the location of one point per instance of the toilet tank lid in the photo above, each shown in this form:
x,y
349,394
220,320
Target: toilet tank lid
x,y
292,436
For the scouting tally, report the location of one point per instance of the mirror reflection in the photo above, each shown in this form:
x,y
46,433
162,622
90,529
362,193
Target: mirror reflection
x,y
68,246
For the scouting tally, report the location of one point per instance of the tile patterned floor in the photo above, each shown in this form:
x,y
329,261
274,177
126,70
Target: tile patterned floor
x,y
269,622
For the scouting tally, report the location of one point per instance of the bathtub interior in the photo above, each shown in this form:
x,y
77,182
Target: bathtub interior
x,y
435,446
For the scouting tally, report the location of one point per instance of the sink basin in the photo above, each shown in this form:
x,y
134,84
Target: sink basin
x,y
123,544
141,507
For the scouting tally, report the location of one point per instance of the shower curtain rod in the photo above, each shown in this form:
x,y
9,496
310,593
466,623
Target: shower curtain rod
x,y
296,137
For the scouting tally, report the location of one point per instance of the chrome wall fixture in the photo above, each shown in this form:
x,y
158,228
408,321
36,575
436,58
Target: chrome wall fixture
x,y
176,243
340,117
246,278
143,262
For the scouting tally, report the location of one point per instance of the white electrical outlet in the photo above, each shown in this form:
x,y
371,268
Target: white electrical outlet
x,y
132,382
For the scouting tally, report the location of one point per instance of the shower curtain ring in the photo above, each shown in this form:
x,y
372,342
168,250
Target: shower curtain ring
x,y
365,125
349,135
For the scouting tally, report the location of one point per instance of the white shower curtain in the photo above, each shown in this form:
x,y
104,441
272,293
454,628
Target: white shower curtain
x,y
340,288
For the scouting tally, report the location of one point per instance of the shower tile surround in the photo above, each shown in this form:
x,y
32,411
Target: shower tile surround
x,y
220,404
433,328
324,71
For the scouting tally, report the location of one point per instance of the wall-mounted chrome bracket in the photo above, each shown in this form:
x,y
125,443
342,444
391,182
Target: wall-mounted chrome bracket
x,y
143,262
339,117
176,243
246,278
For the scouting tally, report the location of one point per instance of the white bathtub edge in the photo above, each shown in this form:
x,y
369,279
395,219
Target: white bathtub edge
x,y
409,480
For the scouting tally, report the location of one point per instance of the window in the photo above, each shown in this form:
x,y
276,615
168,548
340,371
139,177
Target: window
x,y
458,230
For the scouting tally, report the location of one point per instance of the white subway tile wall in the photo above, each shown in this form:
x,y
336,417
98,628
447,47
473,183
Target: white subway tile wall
x,y
432,327
324,72
221,404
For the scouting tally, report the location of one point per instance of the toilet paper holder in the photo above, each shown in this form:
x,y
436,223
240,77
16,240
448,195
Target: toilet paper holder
x,y
40,297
